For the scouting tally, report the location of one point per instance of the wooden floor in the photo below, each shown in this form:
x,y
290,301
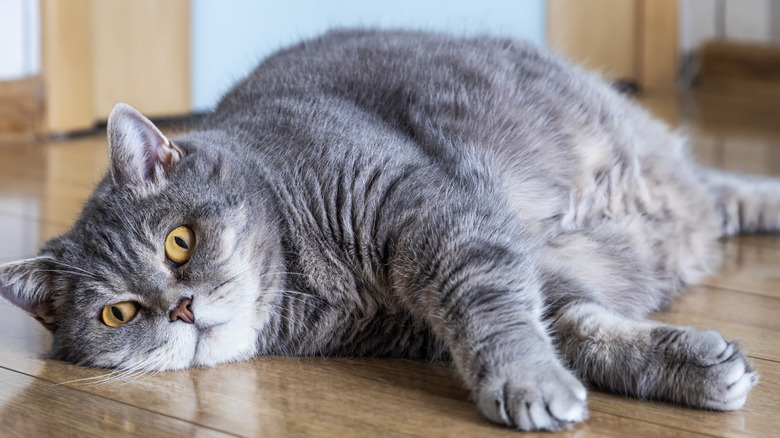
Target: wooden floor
x,y
42,187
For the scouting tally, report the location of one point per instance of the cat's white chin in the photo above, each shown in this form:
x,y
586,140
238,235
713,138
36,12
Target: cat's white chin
x,y
229,342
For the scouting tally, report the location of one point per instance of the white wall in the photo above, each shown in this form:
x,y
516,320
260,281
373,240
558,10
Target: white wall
x,y
229,37
749,20
756,21
20,53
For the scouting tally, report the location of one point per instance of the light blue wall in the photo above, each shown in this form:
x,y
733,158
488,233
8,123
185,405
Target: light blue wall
x,y
229,37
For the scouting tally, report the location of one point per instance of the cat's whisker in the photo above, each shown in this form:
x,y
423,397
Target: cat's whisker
x,y
70,270
285,273
139,376
85,379
110,379
261,267
276,313
98,380
63,271
133,227
255,268
144,369
294,292
126,376
71,267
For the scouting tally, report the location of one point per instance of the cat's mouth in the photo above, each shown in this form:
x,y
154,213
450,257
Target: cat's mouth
x,y
206,331
207,338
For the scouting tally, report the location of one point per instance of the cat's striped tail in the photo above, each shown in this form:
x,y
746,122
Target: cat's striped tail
x,y
749,204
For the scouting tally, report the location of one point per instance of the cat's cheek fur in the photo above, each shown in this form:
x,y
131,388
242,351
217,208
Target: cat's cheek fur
x,y
175,346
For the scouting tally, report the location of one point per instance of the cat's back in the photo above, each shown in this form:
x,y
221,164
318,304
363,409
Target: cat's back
x,y
416,83
443,95
544,129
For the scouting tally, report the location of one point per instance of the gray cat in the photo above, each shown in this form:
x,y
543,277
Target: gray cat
x,y
408,195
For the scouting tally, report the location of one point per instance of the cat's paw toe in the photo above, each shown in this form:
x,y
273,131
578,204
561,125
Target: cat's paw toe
x,y
707,347
540,399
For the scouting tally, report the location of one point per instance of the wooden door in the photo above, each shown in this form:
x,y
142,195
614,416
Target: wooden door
x,y
100,52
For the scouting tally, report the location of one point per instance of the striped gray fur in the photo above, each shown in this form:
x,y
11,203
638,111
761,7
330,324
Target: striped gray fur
x,y
402,194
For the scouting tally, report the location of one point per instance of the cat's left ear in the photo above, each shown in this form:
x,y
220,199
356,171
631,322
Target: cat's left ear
x,y
139,154
25,284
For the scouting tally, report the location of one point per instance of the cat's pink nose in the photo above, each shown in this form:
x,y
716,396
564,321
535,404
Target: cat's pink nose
x,y
183,312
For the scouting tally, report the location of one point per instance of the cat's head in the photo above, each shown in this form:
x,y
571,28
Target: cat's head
x,y
172,263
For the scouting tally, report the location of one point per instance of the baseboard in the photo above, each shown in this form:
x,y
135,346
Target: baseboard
x,y
732,67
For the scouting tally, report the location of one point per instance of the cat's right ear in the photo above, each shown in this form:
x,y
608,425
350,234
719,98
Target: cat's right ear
x,y
139,154
25,284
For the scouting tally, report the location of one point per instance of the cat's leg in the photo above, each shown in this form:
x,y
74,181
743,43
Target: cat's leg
x,y
650,360
479,291
748,204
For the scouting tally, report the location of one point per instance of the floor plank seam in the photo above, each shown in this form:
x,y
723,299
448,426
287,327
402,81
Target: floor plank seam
x,y
733,289
764,359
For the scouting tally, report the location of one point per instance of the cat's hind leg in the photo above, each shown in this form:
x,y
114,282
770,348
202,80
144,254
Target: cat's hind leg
x,y
651,360
748,204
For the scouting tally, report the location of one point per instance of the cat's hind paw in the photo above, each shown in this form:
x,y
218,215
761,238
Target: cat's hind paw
x,y
545,398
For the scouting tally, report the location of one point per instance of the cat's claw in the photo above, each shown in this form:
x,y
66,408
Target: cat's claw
x,y
545,398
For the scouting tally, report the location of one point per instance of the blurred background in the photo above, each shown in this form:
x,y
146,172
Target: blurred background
x,y
65,63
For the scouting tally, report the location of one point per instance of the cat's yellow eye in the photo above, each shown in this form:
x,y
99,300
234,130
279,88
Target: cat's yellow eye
x,y
117,314
179,245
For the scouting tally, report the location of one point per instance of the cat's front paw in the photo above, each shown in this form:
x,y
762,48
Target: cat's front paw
x,y
714,374
547,397
726,372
